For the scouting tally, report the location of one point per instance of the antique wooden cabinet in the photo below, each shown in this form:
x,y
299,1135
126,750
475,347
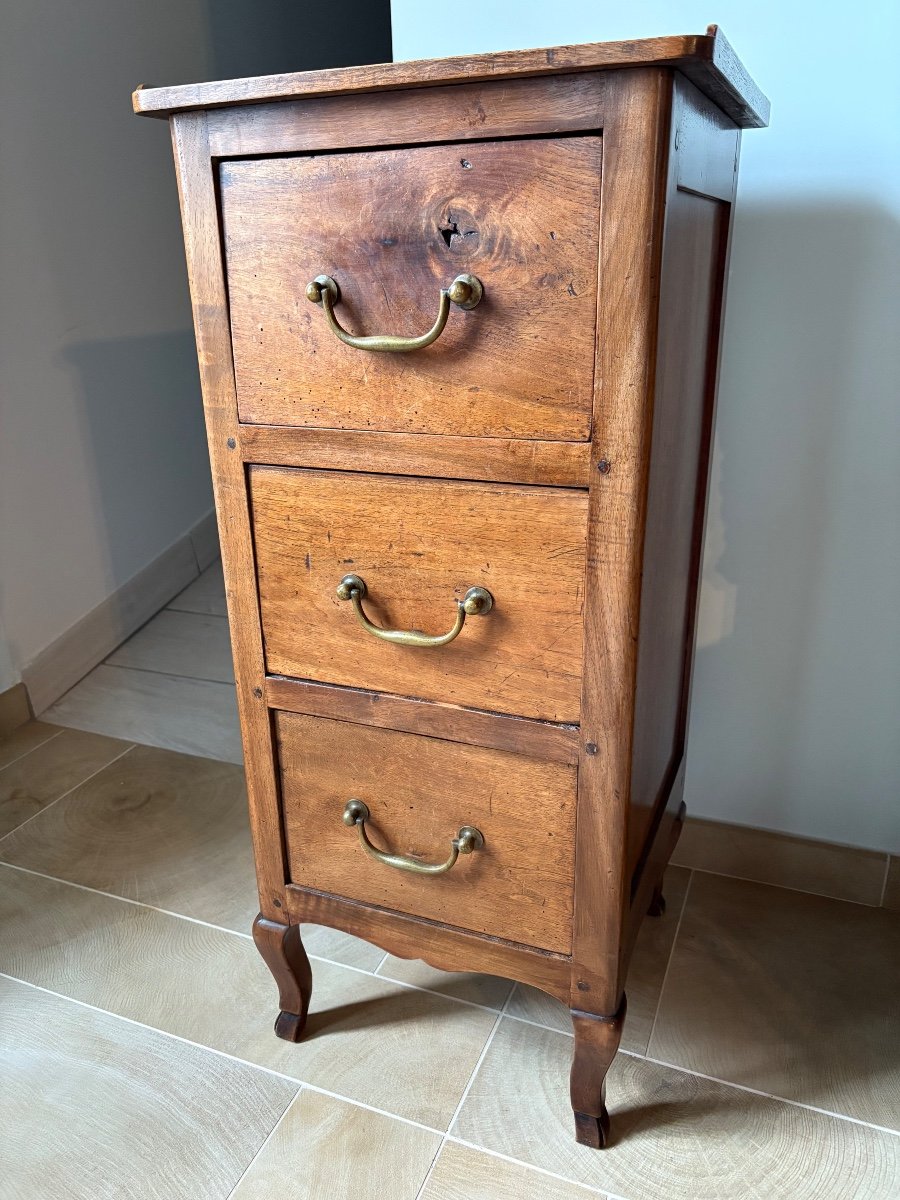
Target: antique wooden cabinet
x,y
462,542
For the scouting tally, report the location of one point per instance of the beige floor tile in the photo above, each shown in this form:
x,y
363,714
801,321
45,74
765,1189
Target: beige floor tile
x,y
892,884
676,1136
477,989
404,1051
25,739
31,783
340,947
465,1174
645,975
204,595
93,1108
795,995
325,1149
169,830
193,716
180,643
844,872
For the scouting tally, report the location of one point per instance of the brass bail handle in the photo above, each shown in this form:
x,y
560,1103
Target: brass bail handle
x,y
476,603
466,841
465,292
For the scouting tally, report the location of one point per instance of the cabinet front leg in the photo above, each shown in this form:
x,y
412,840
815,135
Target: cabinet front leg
x,y
283,952
596,1042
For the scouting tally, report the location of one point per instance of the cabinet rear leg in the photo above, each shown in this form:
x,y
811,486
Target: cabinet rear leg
x,y
596,1042
657,905
283,952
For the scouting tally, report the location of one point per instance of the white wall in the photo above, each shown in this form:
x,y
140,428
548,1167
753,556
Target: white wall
x,y
103,462
9,675
796,714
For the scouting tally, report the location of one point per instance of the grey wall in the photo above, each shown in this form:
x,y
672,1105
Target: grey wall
x,y
102,456
796,711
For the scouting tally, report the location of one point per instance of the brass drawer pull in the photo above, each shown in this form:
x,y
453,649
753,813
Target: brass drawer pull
x,y
465,291
476,602
468,839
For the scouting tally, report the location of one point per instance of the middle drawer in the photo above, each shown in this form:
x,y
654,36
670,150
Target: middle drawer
x,y
419,546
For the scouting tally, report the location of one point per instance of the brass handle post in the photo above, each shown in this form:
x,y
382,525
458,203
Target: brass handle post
x,y
476,603
465,292
466,841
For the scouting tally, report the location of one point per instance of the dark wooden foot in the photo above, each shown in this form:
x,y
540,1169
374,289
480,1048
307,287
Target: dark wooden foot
x,y
596,1042
283,952
657,905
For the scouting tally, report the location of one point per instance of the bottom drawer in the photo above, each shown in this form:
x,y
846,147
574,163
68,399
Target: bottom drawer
x,y
420,792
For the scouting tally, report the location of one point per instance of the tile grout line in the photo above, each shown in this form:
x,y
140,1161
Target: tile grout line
x,y
52,738
662,986
519,1162
744,1087
165,674
414,987
309,1087
67,792
265,1141
244,1062
427,991
168,912
445,1135
465,1094
785,887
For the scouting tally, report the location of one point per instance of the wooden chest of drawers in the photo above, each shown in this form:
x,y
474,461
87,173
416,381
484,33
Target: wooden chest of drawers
x,y
462,542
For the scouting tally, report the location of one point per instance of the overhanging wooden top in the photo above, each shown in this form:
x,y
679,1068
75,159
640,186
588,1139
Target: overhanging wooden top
x,y
706,59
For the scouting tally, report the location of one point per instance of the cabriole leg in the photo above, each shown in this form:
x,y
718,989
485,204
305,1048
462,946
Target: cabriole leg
x,y
596,1042
283,952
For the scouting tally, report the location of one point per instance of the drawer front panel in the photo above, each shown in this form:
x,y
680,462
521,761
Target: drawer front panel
x,y
393,227
419,545
420,792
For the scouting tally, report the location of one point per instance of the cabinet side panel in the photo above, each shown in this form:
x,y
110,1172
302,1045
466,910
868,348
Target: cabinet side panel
x,y
199,214
690,307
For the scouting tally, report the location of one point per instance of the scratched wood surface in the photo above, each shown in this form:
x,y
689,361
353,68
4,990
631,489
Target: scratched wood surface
x,y
707,59
418,544
393,227
518,887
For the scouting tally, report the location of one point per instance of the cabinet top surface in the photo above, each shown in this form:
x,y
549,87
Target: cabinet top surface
x,y
706,59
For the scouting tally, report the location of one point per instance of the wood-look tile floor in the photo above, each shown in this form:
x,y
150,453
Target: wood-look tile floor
x,y
761,1056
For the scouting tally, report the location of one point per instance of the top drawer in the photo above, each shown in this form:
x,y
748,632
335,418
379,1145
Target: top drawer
x,y
393,227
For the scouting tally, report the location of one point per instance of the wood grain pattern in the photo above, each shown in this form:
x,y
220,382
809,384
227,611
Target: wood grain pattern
x,y
414,473
30,784
706,59
393,227
689,308
94,1107
596,1042
634,178
417,544
776,973
282,950
207,283
443,947
498,460
374,1041
537,739
675,1135
478,111
325,1147
518,887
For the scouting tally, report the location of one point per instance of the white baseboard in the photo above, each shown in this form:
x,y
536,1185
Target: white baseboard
x,y
89,641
